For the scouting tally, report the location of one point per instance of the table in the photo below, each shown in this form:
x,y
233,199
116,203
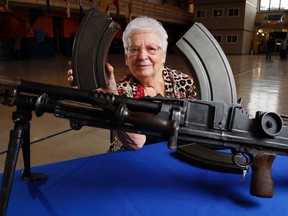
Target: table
x,y
148,182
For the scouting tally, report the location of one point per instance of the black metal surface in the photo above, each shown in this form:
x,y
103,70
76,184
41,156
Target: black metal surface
x,y
197,155
90,49
211,123
208,65
214,82
10,164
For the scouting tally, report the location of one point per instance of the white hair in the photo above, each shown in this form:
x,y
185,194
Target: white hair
x,y
145,24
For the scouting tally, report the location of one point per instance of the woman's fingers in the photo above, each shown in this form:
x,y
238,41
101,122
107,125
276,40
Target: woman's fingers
x,y
70,72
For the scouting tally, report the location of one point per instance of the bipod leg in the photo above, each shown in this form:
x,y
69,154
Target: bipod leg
x,y
16,139
27,175
20,135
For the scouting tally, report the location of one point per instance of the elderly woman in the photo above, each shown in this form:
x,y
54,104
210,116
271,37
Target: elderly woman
x,y
145,43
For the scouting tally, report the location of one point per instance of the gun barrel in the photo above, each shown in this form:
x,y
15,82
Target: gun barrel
x,y
90,97
56,91
8,83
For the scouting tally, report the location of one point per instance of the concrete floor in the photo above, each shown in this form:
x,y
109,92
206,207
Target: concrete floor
x,y
261,84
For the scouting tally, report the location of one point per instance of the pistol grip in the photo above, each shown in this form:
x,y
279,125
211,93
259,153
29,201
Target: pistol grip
x,y
261,182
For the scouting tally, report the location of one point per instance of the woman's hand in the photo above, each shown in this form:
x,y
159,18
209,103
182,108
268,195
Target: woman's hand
x,y
70,76
70,79
131,140
112,86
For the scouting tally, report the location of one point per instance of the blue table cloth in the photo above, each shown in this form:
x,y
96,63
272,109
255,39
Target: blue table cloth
x,y
148,182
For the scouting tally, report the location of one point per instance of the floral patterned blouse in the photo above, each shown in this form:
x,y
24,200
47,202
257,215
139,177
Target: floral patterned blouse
x,y
177,85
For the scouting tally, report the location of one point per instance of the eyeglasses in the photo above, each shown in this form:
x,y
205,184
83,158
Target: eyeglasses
x,y
150,50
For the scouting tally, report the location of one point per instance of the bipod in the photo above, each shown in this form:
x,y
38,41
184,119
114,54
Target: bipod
x,y
19,136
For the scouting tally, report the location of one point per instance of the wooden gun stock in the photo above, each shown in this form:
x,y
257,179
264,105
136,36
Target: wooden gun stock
x,y
261,181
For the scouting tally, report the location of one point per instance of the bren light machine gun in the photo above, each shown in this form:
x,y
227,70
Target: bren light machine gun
x,y
215,121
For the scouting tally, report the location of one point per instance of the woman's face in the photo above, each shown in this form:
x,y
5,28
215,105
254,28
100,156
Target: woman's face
x,y
145,58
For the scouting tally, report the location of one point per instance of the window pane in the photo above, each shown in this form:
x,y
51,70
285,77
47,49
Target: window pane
x,y
229,39
201,14
232,38
284,5
230,13
218,13
233,12
275,4
264,5
218,38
